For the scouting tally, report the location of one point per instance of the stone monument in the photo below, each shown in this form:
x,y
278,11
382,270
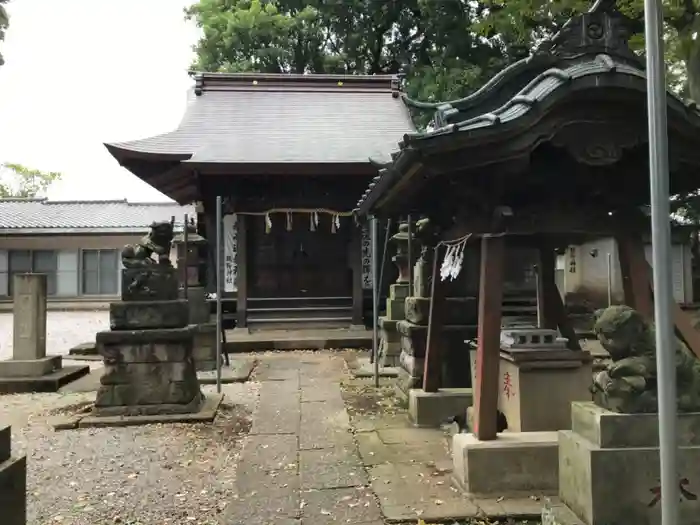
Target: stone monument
x,y
30,369
609,460
13,482
390,340
413,330
148,353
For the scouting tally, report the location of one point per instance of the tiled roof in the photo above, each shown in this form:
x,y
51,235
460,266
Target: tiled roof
x,y
266,118
111,216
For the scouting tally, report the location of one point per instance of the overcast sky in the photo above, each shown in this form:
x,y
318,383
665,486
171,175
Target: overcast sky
x,y
82,72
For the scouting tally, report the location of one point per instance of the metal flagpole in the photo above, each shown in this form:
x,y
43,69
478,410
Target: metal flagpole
x,y
219,269
375,300
661,248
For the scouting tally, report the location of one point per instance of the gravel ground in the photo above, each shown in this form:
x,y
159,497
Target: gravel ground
x,y
64,330
156,474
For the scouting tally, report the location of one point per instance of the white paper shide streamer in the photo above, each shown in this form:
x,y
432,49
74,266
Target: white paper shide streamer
x,y
454,258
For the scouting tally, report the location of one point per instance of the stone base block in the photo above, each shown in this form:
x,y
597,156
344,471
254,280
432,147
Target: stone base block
x,y
527,379
13,482
459,310
108,396
432,409
13,491
514,462
47,383
395,309
30,368
609,467
559,515
204,346
608,429
205,414
200,313
398,291
238,372
139,315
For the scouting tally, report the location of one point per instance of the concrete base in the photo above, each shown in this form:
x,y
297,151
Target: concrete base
x,y
238,372
13,483
206,414
30,367
432,409
515,462
47,383
609,467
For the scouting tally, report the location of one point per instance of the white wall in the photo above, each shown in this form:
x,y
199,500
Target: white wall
x,y
588,275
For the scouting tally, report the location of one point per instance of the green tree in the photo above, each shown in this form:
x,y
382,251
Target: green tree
x,y
18,181
4,24
528,21
431,41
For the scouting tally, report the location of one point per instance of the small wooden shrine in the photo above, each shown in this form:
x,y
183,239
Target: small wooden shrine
x,y
551,152
288,154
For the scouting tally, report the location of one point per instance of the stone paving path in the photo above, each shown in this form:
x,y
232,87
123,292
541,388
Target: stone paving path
x,y
299,464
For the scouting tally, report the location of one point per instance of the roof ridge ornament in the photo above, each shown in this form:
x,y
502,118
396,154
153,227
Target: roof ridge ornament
x,y
601,30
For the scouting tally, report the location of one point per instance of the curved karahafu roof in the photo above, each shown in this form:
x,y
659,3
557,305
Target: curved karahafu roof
x,y
273,120
587,62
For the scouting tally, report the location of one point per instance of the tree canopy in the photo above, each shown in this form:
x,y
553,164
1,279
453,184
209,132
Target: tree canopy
x,y
4,23
446,48
19,181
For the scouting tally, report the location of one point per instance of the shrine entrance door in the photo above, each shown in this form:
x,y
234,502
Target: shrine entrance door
x,y
299,262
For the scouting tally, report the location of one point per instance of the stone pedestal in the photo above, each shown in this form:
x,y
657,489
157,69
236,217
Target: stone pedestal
x,y
13,482
148,354
515,462
455,357
30,369
389,338
609,467
204,351
198,305
432,409
539,378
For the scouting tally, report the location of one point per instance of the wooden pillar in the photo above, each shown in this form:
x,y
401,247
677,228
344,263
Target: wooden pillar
x,y
355,255
638,285
636,277
552,311
489,337
242,223
436,322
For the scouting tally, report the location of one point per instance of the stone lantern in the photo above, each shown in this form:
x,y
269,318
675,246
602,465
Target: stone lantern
x,y
400,241
190,262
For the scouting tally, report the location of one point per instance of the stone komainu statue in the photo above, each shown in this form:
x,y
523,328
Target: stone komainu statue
x,y
628,384
158,241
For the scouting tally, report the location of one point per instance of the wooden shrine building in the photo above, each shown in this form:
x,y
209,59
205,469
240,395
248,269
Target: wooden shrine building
x,y
289,154
551,152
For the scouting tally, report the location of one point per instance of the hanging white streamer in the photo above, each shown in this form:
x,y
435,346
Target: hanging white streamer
x,y
452,263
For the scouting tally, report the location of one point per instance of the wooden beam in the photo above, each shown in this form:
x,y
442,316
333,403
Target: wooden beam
x,y
636,275
489,337
436,322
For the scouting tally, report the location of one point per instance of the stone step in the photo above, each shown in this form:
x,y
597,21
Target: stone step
x,y
297,302
300,323
260,314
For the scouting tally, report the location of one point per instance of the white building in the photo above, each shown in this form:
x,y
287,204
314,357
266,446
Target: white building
x,y
582,272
